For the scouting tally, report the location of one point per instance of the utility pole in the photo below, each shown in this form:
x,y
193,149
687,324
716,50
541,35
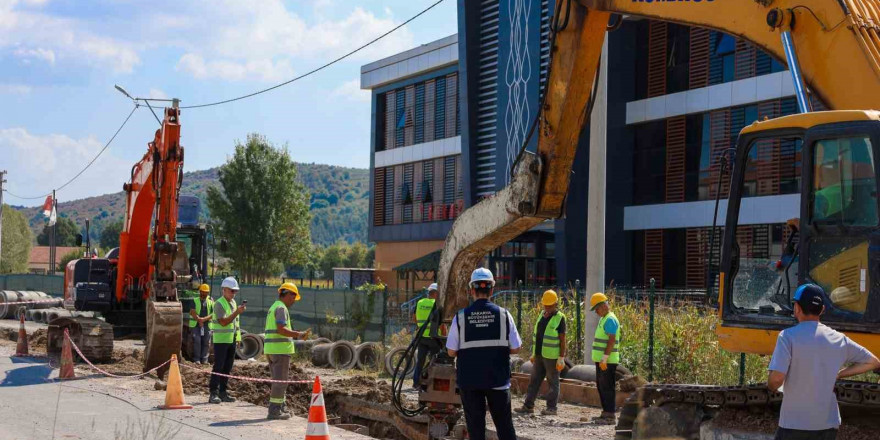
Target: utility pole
x,y
2,181
52,240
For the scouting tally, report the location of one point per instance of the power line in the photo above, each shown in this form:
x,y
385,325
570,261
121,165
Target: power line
x,y
107,145
309,73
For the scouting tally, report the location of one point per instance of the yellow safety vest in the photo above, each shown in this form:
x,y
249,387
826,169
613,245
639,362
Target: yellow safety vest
x,y
226,334
209,302
550,338
275,343
423,312
601,340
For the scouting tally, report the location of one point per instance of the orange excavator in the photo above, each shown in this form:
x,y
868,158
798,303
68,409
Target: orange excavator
x,y
832,49
135,287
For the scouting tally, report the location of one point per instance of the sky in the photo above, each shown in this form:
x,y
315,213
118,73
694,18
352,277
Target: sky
x,y
59,61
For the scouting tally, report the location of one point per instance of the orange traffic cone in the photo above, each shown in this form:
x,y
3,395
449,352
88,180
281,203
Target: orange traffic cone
x,y
174,389
21,349
317,428
66,359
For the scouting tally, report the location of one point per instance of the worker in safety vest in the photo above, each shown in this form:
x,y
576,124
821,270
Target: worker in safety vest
x,y
548,355
278,346
606,356
200,324
227,333
427,345
482,337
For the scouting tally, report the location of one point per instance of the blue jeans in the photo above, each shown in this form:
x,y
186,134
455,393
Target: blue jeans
x,y
200,344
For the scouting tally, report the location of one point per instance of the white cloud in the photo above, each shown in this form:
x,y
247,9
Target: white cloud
x,y
35,34
259,39
157,94
352,90
38,53
14,89
39,162
262,69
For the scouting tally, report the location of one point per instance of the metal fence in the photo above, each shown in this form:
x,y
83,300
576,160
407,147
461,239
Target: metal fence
x,y
51,284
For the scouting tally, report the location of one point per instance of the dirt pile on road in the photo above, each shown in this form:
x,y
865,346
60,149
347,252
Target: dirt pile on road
x,y
767,422
37,340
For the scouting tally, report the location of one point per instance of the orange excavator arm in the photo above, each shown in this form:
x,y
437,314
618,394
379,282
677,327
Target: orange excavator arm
x,y
836,42
145,252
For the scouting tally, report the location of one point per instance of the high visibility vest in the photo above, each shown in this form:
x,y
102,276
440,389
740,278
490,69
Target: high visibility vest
x,y
550,338
423,312
601,340
274,342
209,302
226,334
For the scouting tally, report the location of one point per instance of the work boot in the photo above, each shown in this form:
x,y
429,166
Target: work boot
x,y
284,409
226,398
548,412
606,418
525,410
275,412
214,398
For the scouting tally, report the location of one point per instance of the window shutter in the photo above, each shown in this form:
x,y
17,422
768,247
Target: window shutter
x,y
379,197
657,36
420,113
440,109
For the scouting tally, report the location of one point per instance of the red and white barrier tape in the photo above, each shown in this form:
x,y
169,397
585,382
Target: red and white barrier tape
x,y
41,301
246,379
106,373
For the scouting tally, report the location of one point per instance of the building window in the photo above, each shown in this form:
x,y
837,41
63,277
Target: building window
x,y
412,193
418,113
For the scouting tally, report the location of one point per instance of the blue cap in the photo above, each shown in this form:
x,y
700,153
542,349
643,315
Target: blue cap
x,y
811,297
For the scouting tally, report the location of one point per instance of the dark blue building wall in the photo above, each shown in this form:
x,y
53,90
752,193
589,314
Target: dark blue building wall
x,y
571,231
622,45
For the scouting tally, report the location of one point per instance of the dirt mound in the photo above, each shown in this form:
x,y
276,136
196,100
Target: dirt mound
x,y
767,422
8,334
38,340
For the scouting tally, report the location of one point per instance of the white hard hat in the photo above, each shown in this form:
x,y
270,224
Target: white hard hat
x,y
229,283
433,286
482,274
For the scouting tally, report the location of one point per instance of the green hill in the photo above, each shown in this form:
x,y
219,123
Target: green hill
x,y
339,199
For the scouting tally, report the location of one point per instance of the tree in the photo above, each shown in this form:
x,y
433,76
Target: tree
x,y
110,234
357,255
262,209
16,242
68,257
65,233
334,256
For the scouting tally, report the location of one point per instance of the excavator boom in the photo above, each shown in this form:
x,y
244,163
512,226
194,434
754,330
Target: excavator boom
x,y
836,42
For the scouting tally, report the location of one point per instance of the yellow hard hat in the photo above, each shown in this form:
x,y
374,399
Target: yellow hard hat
x,y
204,288
291,288
596,299
550,298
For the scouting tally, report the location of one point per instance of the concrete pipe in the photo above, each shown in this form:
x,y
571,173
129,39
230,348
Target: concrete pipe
x,y
30,315
515,363
322,341
251,346
393,357
304,346
53,315
339,355
8,296
585,373
39,316
528,367
368,355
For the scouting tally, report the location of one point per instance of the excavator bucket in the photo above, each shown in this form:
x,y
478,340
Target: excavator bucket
x,y
164,332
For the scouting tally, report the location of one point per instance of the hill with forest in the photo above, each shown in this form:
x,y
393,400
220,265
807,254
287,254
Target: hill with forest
x,y
338,203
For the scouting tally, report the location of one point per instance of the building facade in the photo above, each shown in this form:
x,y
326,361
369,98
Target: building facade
x,y
450,117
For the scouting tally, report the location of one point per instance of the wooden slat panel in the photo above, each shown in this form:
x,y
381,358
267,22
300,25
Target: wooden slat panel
x,y
418,179
409,128
398,194
675,159
695,264
654,257
657,36
429,110
700,51
438,189
390,122
719,141
451,104
408,197
389,196
744,60
768,157
379,197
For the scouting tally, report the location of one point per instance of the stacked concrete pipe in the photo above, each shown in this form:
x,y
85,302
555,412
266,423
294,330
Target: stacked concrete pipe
x,y
340,355
251,346
368,355
10,296
391,359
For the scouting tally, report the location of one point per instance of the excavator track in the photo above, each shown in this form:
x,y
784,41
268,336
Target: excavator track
x,y
164,332
94,337
690,405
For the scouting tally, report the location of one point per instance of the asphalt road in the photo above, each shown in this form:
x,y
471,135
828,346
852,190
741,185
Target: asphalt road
x,y
35,406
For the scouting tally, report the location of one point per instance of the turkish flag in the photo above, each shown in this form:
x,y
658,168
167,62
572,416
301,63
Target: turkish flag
x,y
47,206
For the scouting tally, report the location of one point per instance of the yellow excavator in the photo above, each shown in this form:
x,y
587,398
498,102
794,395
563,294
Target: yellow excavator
x,y
832,49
